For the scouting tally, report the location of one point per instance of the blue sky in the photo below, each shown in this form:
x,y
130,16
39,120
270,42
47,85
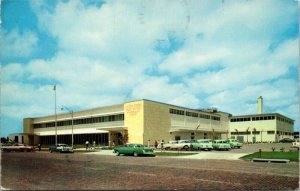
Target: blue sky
x,y
192,53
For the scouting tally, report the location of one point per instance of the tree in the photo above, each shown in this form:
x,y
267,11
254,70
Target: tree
x,y
4,140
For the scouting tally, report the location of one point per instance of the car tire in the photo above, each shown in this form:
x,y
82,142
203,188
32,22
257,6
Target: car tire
x,y
50,151
185,147
135,154
117,153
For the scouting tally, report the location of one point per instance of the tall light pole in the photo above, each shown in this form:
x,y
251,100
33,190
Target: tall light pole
x,y
72,115
197,129
247,133
54,89
254,130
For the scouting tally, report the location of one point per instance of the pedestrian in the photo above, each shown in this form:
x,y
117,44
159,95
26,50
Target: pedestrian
x,y
94,145
39,146
162,144
113,144
155,144
87,145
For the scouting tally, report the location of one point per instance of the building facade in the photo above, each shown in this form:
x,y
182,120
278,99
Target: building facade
x,y
270,127
144,121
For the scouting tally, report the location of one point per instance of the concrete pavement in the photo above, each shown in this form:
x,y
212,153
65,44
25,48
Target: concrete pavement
x,y
225,155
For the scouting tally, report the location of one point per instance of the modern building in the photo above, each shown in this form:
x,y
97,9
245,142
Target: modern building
x,y
144,121
261,127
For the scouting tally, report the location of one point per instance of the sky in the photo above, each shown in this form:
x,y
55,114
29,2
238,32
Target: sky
x,y
190,53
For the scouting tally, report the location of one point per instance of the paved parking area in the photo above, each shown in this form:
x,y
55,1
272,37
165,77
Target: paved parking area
x,y
78,171
233,154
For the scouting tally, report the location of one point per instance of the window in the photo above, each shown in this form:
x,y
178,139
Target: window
x,y
192,114
204,116
215,118
176,111
270,132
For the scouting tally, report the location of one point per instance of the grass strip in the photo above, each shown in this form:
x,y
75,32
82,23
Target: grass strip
x,y
292,156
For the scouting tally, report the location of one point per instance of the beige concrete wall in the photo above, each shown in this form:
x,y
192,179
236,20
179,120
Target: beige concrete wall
x,y
261,125
157,122
134,121
27,125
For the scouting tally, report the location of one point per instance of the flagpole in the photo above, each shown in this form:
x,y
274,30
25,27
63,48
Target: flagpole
x,y
54,88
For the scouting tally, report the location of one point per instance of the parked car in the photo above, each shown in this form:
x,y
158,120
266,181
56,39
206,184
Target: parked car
x,y
62,148
234,143
221,145
178,145
286,140
17,147
134,149
169,145
202,144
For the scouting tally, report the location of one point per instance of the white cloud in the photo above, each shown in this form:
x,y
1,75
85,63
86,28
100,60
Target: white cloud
x,y
160,89
15,44
108,56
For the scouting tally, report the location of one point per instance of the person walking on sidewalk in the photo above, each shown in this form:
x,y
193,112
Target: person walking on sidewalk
x,y
87,145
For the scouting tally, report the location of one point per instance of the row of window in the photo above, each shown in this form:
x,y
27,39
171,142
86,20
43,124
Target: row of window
x,y
193,114
253,118
285,120
241,119
258,132
101,119
176,111
263,118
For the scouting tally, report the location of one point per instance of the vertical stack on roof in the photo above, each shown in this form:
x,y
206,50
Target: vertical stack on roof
x,y
259,105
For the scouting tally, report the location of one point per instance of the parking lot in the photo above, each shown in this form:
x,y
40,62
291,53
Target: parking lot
x,y
233,154
81,171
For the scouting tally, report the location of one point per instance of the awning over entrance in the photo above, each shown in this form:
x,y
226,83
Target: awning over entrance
x,y
194,130
112,128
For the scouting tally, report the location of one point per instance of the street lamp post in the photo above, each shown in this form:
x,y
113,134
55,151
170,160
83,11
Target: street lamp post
x,y
54,89
247,134
254,130
72,115
196,129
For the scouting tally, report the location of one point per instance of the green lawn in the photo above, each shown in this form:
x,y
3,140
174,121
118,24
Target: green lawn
x,y
173,154
292,156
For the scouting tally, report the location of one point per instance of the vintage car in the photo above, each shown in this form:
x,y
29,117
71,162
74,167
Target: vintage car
x,y
17,147
202,144
62,148
221,145
133,149
234,143
178,145
286,140
169,145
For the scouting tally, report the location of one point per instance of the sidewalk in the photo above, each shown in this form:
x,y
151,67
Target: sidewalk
x,y
200,155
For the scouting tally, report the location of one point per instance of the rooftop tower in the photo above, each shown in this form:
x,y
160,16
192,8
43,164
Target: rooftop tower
x,y
259,105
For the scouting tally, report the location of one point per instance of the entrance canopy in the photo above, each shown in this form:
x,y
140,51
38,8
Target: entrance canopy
x,y
112,128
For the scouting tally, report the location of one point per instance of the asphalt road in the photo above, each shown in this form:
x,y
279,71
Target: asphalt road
x,y
78,171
